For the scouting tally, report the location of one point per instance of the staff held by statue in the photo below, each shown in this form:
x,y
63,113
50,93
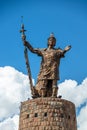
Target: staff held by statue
x,y
26,59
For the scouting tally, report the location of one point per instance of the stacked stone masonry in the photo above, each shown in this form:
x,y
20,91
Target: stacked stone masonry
x,y
47,114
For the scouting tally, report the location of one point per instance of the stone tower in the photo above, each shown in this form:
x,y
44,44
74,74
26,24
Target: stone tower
x,y
46,111
47,114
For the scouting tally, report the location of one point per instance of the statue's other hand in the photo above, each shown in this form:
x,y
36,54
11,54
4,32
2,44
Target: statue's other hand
x,y
67,48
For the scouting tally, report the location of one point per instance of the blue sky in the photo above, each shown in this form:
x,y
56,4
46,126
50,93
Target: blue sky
x,y
67,19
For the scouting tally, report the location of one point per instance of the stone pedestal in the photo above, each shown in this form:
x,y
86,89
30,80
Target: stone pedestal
x,y
47,114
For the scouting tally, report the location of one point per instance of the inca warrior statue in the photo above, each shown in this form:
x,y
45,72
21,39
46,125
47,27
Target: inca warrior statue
x,y
48,76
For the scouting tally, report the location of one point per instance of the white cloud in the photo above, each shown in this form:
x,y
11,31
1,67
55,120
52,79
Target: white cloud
x,y
14,88
82,119
10,123
74,92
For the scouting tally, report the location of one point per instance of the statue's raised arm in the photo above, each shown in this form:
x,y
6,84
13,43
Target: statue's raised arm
x,y
29,46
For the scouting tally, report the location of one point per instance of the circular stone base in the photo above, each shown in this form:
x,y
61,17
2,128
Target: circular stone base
x,y
47,114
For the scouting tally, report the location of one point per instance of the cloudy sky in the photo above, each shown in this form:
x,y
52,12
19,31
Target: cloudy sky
x,y
68,20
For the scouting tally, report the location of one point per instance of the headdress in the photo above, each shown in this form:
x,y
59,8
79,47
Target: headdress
x,y
52,37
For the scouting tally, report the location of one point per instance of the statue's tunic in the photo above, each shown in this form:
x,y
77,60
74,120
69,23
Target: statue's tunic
x,y
50,63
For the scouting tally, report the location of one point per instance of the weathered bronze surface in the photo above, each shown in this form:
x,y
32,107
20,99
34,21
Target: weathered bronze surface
x,y
46,85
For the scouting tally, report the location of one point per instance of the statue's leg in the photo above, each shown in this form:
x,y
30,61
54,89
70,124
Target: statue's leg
x,y
54,88
49,88
41,87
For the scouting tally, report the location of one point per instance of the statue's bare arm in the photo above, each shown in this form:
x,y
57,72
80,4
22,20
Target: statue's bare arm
x,y
62,52
67,48
37,51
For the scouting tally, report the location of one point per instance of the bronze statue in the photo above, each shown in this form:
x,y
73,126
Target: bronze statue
x,y
46,85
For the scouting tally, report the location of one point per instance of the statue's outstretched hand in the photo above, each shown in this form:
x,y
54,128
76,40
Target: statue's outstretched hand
x,y
67,48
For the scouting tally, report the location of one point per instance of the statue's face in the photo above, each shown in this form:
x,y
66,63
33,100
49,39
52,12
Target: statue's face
x,y
51,42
